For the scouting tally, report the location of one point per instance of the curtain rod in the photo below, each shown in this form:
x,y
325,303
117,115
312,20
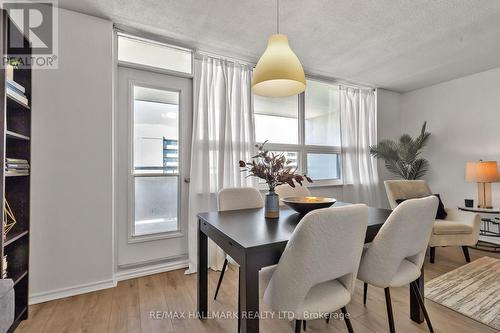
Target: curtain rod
x,y
198,54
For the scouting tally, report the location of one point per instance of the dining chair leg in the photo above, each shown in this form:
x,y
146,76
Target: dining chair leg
x,y
298,326
220,278
347,320
365,292
390,316
420,300
465,249
433,254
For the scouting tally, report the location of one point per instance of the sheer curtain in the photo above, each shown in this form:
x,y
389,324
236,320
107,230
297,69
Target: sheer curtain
x,y
358,112
223,134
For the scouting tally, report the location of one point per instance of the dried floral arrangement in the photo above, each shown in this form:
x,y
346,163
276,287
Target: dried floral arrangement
x,y
274,168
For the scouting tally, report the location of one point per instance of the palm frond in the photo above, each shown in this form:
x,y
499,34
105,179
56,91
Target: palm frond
x,y
402,157
419,169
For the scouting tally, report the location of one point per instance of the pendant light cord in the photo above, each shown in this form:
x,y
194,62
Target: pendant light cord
x,y
278,16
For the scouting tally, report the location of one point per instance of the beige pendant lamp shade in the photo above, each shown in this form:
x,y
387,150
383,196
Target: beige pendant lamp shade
x,y
279,72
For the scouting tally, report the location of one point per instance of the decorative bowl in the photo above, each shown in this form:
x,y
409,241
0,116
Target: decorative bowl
x,y
304,205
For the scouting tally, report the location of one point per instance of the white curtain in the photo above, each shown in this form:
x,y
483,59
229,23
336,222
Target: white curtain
x,y
223,134
358,112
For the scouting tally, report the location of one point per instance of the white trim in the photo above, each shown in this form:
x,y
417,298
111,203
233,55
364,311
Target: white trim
x,y
114,153
141,34
71,291
152,69
125,274
156,236
135,272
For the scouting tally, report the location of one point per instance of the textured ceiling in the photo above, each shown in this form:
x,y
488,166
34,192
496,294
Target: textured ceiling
x,y
400,45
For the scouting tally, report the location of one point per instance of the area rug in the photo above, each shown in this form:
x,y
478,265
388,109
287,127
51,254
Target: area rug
x,y
472,290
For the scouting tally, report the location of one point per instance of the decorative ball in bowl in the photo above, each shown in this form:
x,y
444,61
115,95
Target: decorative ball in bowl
x,y
304,205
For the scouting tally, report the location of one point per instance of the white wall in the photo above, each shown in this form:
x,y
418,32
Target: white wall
x,y
388,127
71,216
463,116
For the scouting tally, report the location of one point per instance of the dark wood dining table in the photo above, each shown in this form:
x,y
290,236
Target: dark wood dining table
x,y
254,241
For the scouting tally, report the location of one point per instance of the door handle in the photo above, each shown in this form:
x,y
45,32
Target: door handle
x,y
187,180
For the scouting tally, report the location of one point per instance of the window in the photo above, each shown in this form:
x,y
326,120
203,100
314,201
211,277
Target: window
x,y
323,166
156,160
276,119
322,114
150,53
306,128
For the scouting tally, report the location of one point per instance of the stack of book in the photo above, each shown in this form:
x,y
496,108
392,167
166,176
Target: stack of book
x,y
15,166
17,92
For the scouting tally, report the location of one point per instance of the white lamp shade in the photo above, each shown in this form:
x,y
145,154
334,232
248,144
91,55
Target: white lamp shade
x,y
279,72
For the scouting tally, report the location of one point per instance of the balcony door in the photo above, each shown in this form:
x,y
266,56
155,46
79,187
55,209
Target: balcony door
x,y
153,138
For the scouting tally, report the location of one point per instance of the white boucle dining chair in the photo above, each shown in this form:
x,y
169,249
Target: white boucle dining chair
x,y
235,198
317,271
396,255
286,191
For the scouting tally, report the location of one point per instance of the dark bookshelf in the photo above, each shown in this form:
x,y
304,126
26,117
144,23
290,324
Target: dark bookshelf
x,y
15,137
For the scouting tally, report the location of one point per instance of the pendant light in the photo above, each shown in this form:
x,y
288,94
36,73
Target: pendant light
x,y
279,72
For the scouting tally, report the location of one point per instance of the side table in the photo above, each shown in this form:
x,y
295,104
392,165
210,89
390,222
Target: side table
x,y
489,233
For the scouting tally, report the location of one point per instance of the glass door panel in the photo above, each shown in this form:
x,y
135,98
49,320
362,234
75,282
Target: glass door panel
x,y
156,160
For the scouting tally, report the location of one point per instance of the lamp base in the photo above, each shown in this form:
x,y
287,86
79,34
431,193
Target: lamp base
x,y
484,195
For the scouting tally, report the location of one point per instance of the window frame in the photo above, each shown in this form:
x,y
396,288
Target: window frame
x,y
156,41
302,149
132,175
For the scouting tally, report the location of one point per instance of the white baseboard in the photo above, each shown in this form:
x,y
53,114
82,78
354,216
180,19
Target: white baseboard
x,y
70,291
135,272
129,273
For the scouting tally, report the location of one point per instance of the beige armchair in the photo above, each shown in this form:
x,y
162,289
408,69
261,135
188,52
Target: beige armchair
x,y
458,229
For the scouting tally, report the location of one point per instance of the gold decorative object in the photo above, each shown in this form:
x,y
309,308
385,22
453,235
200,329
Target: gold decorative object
x,y
304,205
9,220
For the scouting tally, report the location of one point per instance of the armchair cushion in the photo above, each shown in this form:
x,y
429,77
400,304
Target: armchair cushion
x,y
444,227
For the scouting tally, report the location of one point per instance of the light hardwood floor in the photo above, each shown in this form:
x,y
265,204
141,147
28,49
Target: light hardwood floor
x,y
127,307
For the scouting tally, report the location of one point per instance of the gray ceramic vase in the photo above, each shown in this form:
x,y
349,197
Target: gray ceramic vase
x,y
272,209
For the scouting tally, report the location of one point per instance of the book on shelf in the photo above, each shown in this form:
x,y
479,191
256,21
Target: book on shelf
x,y
16,160
18,97
17,172
16,87
18,166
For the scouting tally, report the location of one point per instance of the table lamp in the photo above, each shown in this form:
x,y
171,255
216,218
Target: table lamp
x,y
483,173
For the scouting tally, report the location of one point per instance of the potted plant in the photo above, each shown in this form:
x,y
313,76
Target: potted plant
x,y
276,170
402,158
